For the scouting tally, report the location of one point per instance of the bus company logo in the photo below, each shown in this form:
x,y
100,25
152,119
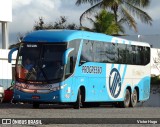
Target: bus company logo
x,y
115,82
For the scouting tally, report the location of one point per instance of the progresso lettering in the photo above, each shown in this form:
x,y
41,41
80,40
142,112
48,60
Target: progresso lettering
x,y
92,69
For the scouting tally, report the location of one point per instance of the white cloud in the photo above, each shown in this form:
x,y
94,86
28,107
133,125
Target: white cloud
x,y
26,12
18,3
154,12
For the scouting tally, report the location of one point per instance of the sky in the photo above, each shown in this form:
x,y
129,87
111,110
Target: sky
x,y
26,12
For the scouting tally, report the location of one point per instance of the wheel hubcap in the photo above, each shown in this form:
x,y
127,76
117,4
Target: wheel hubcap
x,y
127,98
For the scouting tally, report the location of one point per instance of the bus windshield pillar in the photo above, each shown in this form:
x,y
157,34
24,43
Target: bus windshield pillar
x,y
66,54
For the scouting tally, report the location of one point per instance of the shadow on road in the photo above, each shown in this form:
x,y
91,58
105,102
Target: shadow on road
x,y
29,106
154,101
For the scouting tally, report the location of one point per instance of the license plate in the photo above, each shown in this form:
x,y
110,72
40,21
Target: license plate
x,y
35,97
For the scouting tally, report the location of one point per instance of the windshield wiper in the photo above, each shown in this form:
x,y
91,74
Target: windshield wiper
x,y
40,67
44,74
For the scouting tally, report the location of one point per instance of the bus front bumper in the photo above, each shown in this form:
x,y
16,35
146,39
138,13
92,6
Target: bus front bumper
x,y
52,97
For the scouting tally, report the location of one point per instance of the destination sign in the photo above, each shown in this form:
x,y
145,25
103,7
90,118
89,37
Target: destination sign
x,y
31,45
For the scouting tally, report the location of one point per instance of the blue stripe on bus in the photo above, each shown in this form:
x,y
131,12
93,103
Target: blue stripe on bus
x,y
112,66
119,67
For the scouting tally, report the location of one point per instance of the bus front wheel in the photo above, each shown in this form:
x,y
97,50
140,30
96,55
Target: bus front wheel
x,y
78,102
134,98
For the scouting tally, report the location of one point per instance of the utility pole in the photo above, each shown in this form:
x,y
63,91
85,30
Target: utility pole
x,y
4,35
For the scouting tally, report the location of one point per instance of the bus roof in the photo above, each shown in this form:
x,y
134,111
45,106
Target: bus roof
x,y
68,35
63,36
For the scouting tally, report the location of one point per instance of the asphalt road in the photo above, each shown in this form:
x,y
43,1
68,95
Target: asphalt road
x,y
48,114
23,111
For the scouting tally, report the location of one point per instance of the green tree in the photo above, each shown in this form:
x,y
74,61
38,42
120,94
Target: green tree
x,y
124,10
61,23
39,25
105,23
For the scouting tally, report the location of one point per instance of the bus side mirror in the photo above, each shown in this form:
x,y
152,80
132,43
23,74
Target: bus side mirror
x,y
10,54
66,54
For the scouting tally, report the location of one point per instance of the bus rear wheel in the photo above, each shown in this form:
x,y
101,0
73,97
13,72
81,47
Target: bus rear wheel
x,y
36,105
134,98
78,103
127,99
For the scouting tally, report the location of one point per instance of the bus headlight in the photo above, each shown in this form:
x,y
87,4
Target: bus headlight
x,y
56,88
21,85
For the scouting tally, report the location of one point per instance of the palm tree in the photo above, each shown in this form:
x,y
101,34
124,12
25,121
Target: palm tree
x,y
105,23
124,10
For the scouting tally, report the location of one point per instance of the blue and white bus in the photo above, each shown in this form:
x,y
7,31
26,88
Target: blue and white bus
x,y
79,67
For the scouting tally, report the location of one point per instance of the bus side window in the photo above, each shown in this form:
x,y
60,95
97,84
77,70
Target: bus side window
x,y
134,54
129,55
69,66
87,52
146,55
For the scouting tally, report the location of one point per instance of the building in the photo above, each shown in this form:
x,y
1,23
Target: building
x,y
5,17
7,70
6,73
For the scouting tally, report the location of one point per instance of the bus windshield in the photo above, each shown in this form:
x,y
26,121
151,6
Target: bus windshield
x,y
40,62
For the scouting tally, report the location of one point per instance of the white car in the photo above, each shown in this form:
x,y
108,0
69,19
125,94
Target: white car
x,y
1,93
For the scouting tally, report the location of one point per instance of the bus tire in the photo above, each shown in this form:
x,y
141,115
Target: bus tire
x,y
134,98
127,99
78,103
36,105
